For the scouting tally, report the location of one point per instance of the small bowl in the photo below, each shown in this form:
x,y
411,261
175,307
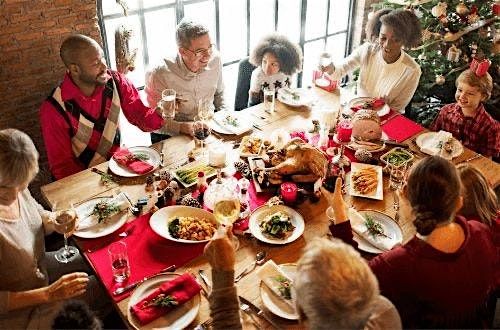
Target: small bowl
x,y
385,157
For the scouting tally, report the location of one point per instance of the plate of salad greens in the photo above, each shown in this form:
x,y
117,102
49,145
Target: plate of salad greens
x,y
294,97
277,224
283,304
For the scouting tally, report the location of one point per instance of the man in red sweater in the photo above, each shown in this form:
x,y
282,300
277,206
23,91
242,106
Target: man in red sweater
x,y
79,120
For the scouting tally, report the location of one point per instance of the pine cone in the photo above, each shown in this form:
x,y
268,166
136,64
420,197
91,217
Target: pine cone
x,y
363,155
244,169
189,200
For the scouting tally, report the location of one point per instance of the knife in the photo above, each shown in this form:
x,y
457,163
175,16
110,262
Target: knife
x,y
205,280
395,143
129,287
259,312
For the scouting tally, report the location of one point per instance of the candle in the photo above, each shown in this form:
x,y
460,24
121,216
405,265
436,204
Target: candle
x,y
289,192
217,156
344,131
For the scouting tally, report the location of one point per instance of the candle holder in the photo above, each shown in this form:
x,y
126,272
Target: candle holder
x,y
288,191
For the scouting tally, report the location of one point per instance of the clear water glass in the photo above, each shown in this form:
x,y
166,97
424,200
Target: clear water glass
x,y
119,261
167,103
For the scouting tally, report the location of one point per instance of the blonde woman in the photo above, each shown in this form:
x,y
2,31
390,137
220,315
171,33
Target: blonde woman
x,y
27,300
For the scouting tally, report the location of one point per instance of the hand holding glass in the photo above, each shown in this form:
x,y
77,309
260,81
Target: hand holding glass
x,y
167,103
227,209
325,60
64,223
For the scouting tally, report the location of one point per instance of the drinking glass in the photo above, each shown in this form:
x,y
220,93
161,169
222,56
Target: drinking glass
x,y
227,208
201,132
324,60
397,180
119,261
65,222
205,109
269,100
167,103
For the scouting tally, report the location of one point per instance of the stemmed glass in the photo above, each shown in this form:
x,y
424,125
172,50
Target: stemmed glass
x,y
397,180
65,222
205,109
227,208
201,132
324,60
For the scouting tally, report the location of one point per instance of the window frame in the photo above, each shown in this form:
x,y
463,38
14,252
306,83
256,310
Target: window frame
x,y
178,5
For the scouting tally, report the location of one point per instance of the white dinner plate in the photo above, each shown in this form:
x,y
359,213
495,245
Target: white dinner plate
x,y
244,152
177,318
275,304
227,122
259,214
378,193
106,227
160,219
390,227
154,160
294,97
458,149
384,110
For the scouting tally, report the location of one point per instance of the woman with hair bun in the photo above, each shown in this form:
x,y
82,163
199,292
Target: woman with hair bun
x,y
386,71
442,277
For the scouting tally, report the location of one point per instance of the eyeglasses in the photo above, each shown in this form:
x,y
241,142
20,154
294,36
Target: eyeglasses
x,y
201,52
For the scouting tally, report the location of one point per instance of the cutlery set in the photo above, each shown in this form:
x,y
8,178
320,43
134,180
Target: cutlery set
x,y
131,286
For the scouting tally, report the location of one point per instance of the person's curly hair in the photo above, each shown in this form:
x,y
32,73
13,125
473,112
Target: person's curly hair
x,y
75,314
404,23
288,53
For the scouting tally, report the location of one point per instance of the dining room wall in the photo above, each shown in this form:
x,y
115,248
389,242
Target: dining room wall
x,y
31,32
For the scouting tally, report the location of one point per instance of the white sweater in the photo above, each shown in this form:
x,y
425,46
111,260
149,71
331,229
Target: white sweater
x,y
395,82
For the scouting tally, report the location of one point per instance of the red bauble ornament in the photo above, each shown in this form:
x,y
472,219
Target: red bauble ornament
x,y
495,8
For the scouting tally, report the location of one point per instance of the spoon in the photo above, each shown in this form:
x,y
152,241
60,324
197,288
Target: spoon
x,y
260,257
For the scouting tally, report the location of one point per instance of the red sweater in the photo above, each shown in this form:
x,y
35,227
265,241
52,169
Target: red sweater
x,y
431,288
55,130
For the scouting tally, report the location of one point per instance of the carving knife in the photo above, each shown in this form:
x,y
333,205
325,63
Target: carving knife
x,y
129,287
259,312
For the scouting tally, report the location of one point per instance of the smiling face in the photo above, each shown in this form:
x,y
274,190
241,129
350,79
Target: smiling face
x,y
468,97
390,44
270,64
198,54
90,67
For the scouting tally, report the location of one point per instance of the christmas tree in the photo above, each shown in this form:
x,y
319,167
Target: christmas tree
x,y
453,34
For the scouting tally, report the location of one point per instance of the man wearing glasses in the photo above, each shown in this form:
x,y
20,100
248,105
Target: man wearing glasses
x,y
195,74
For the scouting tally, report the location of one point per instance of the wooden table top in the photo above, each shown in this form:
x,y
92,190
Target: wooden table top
x,y
86,185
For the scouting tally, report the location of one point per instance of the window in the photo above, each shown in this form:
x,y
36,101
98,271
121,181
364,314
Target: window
x,y
235,25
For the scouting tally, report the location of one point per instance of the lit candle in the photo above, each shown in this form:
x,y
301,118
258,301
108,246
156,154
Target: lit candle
x,y
344,131
289,192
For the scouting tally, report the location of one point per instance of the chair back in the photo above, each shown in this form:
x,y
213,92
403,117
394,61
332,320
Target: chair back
x,y
245,69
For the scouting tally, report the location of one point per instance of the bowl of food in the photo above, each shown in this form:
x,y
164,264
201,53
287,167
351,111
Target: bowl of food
x,y
250,146
397,157
184,224
277,224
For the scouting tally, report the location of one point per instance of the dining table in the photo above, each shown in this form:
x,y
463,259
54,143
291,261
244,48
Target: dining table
x,y
87,185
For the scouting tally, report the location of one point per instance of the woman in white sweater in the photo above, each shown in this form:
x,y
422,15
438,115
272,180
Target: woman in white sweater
x,y
386,71
27,300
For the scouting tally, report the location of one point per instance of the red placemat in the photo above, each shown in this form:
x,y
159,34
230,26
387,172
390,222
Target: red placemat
x,y
400,128
148,253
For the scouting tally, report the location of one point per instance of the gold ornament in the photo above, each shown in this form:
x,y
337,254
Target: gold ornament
x,y
448,36
440,79
462,9
426,35
439,9
472,18
453,54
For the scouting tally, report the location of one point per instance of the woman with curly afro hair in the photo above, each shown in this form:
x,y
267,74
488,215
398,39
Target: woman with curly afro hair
x,y
386,71
276,59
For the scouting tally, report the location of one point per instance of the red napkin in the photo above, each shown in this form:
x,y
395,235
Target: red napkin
x,y
329,88
148,253
125,158
372,105
401,128
180,289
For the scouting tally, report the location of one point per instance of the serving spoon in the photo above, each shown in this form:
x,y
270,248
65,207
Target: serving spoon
x,y
260,257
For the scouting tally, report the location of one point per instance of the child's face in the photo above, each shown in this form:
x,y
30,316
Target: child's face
x,y
270,64
467,96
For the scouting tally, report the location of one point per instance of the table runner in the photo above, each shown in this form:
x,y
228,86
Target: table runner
x,y
148,253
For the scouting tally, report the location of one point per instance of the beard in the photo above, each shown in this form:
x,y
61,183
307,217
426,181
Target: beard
x,y
98,80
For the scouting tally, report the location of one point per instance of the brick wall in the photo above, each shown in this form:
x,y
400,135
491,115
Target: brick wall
x,y
31,32
360,18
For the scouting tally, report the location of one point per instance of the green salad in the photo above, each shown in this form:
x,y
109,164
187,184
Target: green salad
x,y
277,225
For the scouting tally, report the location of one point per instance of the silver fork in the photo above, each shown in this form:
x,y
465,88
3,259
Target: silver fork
x,y
244,307
205,325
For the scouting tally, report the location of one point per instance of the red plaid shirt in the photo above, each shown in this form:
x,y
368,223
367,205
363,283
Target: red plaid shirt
x,y
479,133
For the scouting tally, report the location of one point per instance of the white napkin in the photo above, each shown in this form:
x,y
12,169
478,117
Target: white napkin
x,y
358,226
87,221
433,146
240,128
268,273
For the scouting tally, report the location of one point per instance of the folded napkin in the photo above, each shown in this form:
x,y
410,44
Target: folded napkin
x,y
127,159
434,145
330,87
88,220
232,122
374,104
173,293
358,226
277,280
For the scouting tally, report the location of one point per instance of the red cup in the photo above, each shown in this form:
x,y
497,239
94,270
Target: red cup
x,y
289,192
344,130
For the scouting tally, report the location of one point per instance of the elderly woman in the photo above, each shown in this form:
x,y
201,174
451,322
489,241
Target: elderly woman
x,y
386,71
443,275
27,300
334,285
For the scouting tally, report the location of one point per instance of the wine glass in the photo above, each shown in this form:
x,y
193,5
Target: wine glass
x,y
201,132
324,60
65,222
205,109
227,208
397,180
